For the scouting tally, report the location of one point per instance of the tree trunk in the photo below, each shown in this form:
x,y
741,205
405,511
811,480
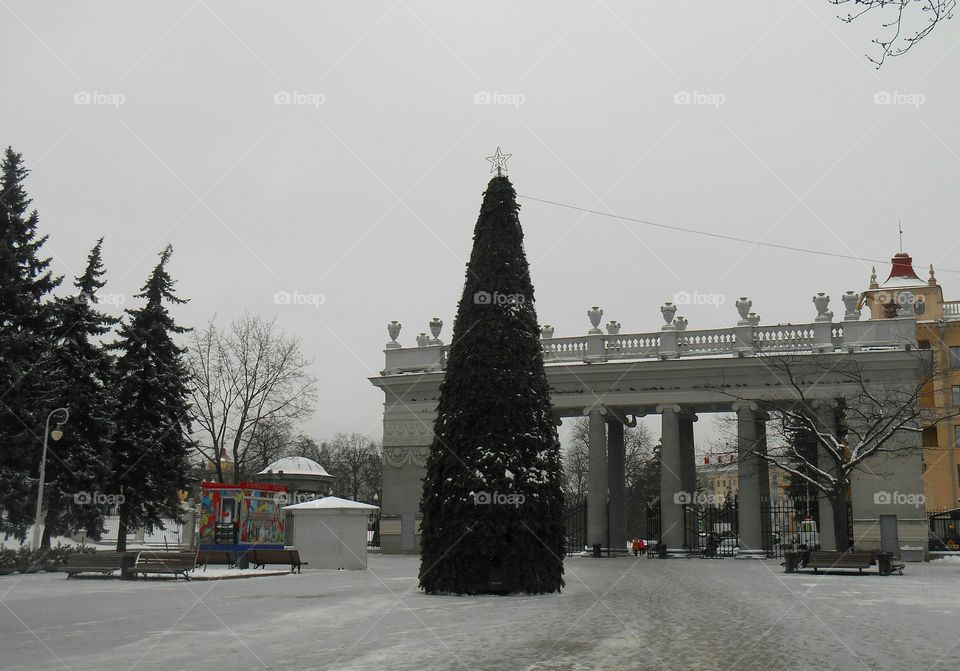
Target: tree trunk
x,y
45,538
122,532
838,501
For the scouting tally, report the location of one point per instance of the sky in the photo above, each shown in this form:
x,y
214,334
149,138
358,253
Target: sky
x,y
335,152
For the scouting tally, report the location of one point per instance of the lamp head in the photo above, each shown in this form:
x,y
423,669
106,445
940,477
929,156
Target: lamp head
x,y
56,434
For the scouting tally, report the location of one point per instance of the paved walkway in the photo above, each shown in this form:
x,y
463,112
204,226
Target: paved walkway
x,y
619,613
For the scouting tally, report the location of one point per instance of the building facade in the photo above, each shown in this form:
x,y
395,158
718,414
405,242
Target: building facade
x,y
679,374
938,329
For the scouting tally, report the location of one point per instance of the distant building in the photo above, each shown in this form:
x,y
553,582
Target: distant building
x,y
717,477
904,293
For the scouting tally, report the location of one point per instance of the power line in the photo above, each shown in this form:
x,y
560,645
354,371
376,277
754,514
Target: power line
x,y
719,236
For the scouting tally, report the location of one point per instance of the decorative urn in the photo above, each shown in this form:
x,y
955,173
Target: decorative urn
x,y
821,301
393,329
668,310
435,325
850,299
743,306
595,314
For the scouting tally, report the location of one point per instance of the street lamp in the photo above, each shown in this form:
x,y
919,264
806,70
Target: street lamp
x,y
56,434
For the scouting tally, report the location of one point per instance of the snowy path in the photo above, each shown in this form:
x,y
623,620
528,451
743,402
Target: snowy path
x,y
614,614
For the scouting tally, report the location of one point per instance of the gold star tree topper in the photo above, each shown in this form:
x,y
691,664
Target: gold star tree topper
x,y
498,162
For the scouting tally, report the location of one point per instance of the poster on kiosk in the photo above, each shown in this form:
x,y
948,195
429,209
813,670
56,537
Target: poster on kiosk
x,y
242,515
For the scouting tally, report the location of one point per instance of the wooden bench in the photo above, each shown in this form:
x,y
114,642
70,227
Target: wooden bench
x,y
263,557
858,559
173,563
226,557
92,562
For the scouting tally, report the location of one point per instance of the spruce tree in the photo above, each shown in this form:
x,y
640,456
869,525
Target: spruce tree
x,y
28,384
492,500
150,444
78,465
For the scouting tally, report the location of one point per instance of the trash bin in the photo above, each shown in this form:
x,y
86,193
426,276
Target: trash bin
x,y
127,562
662,550
884,559
792,560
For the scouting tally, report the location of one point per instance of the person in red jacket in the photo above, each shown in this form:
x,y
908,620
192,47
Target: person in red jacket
x,y
639,546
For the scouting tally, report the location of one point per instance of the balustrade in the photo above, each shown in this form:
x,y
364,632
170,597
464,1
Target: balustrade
x,y
674,340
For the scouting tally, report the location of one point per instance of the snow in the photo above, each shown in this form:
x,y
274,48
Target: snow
x,y
948,559
615,613
331,503
295,466
221,573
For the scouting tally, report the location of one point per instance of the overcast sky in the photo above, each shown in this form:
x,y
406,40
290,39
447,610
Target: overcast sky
x,y
365,187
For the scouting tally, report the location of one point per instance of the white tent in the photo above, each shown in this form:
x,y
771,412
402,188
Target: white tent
x,y
331,533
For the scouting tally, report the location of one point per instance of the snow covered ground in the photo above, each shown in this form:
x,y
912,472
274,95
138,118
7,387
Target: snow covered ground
x,y
615,613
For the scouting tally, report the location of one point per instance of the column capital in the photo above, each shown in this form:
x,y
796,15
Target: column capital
x,y
616,416
737,406
689,415
668,407
824,404
595,408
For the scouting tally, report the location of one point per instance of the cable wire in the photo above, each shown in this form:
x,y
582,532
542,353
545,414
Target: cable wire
x,y
719,236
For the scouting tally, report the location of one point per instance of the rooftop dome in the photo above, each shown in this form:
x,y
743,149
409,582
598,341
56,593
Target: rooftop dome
x,y
295,466
902,272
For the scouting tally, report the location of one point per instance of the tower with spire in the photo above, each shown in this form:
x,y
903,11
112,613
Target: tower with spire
x,y
904,294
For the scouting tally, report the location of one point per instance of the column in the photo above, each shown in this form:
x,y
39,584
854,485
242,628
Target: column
x,y
597,479
826,417
671,481
616,463
749,490
688,475
688,458
763,464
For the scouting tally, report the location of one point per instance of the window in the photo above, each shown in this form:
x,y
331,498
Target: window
x,y
955,357
956,395
956,436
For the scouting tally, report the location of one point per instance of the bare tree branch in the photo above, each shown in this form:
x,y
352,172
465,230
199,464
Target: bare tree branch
x,y
904,22
251,374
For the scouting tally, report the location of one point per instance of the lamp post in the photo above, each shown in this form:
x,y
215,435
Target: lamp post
x,y
56,434
375,541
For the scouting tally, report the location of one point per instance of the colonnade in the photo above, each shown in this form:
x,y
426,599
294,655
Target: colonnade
x,y
606,503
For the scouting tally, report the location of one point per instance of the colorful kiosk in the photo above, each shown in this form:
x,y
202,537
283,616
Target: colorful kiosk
x,y
239,517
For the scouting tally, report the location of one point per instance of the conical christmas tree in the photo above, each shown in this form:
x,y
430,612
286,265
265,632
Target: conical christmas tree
x,y
492,500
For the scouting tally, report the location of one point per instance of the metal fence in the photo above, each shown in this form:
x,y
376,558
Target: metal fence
x,y
711,529
944,526
653,521
576,526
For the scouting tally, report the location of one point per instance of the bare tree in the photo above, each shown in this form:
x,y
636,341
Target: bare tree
x,y
638,446
904,22
250,374
867,420
576,462
270,441
356,464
